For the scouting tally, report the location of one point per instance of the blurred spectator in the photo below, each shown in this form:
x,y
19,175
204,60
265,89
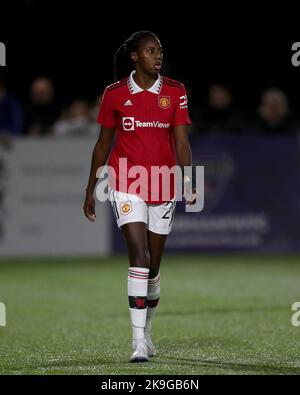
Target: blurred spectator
x,y
10,115
273,113
78,121
219,115
94,114
42,112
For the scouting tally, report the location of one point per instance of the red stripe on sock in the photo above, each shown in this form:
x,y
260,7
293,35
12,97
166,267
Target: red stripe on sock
x,y
136,271
137,274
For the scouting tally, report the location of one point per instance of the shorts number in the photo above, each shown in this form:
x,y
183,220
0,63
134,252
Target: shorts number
x,y
170,213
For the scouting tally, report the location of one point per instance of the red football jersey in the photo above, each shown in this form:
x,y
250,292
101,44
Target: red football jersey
x,y
144,121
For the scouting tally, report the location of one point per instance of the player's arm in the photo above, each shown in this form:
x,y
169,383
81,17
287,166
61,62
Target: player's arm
x,y
182,145
99,158
184,158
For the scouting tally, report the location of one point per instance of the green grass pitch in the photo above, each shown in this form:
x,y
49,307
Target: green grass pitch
x,y
228,314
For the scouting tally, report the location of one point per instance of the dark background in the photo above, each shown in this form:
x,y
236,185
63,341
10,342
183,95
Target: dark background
x,y
247,48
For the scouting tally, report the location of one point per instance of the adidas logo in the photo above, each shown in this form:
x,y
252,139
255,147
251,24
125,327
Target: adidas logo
x,y
128,103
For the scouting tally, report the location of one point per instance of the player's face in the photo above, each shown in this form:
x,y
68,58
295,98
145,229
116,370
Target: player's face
x,y
149,57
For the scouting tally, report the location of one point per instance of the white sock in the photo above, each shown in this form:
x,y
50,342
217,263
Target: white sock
x,y
137,296
153,294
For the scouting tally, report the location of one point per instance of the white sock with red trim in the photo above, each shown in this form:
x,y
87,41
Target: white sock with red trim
x,y
153,295
137,296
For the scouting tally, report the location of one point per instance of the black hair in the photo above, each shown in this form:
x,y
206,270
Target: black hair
x,y
123,64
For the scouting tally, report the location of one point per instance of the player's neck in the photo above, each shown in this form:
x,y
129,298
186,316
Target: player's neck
x,y
144,81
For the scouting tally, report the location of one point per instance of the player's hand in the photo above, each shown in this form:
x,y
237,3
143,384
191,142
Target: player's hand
x,y
89,208
189,194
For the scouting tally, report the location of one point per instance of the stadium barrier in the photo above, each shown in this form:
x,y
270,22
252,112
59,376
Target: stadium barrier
x,y
252,197
42,187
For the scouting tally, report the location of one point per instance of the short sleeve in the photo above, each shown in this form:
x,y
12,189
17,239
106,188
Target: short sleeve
x,y
181,114
106,116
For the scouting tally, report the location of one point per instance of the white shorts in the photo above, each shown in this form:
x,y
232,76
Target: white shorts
x,y
131,208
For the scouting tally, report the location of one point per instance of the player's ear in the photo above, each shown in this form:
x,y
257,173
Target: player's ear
x,y
133,56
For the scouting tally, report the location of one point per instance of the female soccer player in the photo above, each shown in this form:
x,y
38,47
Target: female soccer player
x,y
149,114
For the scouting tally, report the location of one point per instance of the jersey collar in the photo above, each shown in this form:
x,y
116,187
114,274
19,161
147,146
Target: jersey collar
x,y
134,88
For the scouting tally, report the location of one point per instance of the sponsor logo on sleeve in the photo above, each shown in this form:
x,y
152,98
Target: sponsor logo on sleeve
x,y
183,102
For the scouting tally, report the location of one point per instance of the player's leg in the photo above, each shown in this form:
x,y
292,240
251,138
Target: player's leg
x,y
159,226
156,244
131,215
135,235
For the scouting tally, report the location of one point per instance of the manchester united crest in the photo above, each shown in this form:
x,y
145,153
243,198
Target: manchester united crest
x,y
164,102
126,208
